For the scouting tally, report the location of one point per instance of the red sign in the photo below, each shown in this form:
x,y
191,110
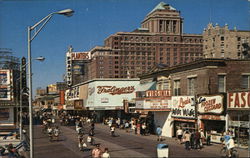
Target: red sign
x,y
158,93
113,90
238,100
80,56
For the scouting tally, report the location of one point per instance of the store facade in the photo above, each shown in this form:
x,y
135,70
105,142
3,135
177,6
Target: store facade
x,y
211,116
183,113
238,110
158,103
105,97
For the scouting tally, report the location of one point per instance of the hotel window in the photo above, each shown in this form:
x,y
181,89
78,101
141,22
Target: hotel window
x,y
177,88
245,81
191,85
221,83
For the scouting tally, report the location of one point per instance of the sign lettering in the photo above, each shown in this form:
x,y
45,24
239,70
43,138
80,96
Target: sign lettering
x,y
113,90
238,100
212,104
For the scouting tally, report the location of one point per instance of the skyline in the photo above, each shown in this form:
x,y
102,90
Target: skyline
x,y
53,41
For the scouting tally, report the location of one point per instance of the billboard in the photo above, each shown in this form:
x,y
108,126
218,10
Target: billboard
x,y
80,55
6,116
5,82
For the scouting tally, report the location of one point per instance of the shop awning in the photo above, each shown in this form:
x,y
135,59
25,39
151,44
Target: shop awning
x,y
147,86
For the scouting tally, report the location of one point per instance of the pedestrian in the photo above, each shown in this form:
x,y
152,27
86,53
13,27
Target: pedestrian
x,y
56,132
186,139
179,134
11,151
159,132
127,126
202,139
208,138
106,153
112,131
197,137
143,129
192,140
96,152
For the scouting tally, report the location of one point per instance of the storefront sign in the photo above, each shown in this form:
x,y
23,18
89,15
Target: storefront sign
x,y
213,104
72,94
78,104
153,104
113,90
244,124
182,106
104,100
211,117
240,100
158,93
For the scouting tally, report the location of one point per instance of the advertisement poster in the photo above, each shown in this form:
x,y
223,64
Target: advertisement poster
x,y
6,116
212,104
183,106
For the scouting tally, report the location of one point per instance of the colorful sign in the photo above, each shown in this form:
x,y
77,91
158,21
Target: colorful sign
x,y
183,106
238,100
212,104
72,94
5,82
158,93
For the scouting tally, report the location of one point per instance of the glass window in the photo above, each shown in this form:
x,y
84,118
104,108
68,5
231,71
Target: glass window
x,y
245,81
221,83
191,86
177,88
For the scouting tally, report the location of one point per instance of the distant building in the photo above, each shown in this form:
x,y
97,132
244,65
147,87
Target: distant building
x,y
9,89
159,41
76,68
220,42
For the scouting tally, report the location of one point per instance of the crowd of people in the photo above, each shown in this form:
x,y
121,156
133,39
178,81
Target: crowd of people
x,y
133,125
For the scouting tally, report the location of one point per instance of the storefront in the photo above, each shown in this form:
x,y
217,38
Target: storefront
x,y
158,103
238,107
105,97
183,113
211,116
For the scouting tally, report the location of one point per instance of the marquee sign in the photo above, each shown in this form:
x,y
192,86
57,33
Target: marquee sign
x,y
183,106
158,93
152,104
212,104
238,100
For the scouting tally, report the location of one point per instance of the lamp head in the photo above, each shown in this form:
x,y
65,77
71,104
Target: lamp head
x,y
66,12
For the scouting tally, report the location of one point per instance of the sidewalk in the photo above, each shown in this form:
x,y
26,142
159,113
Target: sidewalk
x,y
214,147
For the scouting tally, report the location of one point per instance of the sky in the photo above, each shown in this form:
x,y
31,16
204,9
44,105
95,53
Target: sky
x,y
95,20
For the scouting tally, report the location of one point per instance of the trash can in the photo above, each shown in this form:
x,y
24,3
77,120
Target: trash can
x,y
162,151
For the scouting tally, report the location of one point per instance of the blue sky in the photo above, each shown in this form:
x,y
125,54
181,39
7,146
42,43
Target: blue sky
x,y
95,20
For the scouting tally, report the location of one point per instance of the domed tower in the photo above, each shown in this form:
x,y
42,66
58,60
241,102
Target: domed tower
x,y
163,19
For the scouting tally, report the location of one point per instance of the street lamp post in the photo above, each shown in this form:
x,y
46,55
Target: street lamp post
x,y
43,22
21,94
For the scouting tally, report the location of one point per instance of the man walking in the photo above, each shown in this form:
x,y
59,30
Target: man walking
x,y
159,132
